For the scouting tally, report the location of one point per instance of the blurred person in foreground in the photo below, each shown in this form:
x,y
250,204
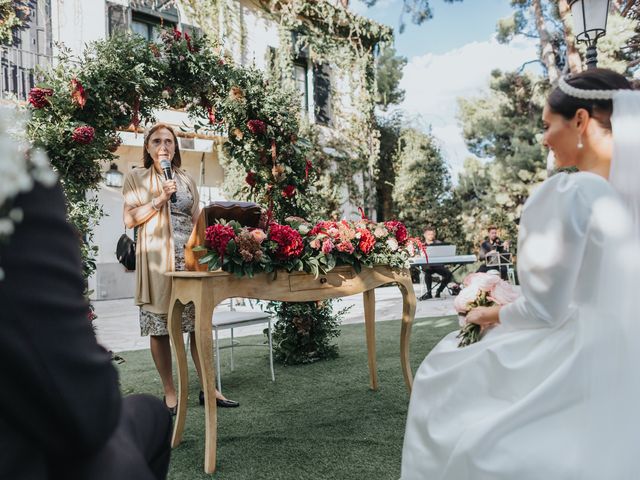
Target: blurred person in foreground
x,y
61,412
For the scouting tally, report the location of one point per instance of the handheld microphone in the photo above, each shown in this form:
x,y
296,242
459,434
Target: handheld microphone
x,y
166,169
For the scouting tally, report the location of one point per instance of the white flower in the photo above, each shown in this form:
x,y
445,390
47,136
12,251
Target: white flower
x,y
6,227
380,231
465,298
304,229
19,166
16,214
392,244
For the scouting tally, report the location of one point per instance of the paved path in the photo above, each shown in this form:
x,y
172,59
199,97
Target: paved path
x,y
117,325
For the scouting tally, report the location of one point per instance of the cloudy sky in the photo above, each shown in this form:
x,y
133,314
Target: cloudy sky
x,y
449,56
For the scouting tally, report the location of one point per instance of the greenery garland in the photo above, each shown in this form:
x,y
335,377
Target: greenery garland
x,y
120,82
13,14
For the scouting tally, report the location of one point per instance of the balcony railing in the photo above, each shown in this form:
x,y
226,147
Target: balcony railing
x,y
17,71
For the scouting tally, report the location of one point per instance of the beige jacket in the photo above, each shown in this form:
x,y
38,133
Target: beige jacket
x,y
154,249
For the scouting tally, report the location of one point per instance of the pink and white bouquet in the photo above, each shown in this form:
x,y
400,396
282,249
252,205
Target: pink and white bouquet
x,y
480,290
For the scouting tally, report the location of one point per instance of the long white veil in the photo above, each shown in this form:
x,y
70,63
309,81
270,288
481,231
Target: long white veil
x,y
612,331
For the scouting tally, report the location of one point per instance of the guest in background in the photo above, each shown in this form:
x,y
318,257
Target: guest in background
x,y
430,270
493,245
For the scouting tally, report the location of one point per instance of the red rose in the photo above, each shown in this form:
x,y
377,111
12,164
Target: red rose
x,y
250,179
398,229
39,97
322,227
289,241
83,135
257,127
78,95
177,34
288,191
188,40
307,169
367,241
218,237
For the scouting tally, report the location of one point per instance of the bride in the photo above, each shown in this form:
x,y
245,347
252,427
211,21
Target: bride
x,y
552,390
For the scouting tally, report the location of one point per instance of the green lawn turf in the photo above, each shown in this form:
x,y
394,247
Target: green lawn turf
x,y
317,421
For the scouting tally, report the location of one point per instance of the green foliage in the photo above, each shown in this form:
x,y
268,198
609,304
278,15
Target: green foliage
x,y
389,73
123,80
422,193
390,128
14,14
304,332
504,127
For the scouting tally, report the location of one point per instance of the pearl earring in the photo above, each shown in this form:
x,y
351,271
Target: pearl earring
x,y
580,144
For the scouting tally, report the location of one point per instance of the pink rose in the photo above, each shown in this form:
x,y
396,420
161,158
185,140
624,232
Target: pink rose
x,y
465,298
327,246
503,293
315,244
346,247
483,281
380,231
258,235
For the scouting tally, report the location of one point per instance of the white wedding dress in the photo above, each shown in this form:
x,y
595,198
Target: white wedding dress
x,y
547,394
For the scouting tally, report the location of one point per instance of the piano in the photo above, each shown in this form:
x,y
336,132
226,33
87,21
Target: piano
x,y
456,260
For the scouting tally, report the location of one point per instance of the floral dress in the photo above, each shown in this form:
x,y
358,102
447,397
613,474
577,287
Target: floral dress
x,y
181,225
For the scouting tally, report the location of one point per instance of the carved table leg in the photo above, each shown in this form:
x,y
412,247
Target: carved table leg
x,y
369,299
408,314
204,314
174,326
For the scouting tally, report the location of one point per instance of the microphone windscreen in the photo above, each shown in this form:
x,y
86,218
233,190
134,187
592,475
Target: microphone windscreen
x,y
165,164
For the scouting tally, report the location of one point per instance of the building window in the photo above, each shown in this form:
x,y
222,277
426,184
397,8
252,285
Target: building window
x,y
300,77
147,27
322,93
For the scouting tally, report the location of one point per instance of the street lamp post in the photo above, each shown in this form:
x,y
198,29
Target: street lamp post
x,y
590,23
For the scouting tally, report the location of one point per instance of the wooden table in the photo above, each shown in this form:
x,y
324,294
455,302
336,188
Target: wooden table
x,y
208,289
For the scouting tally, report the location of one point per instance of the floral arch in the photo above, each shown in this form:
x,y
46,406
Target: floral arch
x,y
118,83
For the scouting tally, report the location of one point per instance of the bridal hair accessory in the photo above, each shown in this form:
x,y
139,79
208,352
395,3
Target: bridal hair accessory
x,y
583,93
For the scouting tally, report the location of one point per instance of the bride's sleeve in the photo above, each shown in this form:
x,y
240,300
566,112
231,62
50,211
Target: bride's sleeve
x,y
553,237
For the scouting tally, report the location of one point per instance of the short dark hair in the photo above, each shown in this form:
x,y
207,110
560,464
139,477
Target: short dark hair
x,y
176,161
491,227
595,79
429,228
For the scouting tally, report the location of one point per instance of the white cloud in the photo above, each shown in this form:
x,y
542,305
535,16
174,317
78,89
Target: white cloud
x,y
434,82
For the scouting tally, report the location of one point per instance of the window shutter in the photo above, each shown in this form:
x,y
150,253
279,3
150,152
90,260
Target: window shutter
x,y
118,18
322,93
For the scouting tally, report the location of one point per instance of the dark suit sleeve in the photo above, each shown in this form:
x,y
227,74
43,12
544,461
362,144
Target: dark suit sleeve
x,y
59,387
485,248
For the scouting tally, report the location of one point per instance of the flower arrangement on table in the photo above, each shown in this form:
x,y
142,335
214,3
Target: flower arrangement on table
x,y
480,290
301,246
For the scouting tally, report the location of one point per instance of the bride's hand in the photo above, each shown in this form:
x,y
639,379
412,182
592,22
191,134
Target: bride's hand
x,y
484,316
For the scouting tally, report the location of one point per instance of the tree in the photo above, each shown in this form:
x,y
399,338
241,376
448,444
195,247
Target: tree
x,y
503,127
388,74
390,128
552,24
422,192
